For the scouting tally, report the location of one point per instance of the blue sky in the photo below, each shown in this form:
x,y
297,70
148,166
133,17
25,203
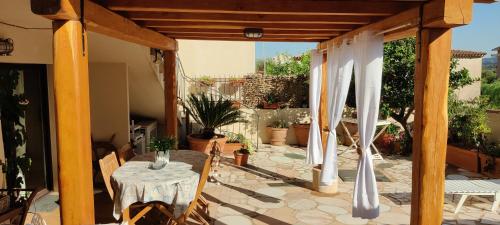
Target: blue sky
x,y
483,34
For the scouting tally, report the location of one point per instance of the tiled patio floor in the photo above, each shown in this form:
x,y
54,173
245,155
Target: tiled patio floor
x,y
274,189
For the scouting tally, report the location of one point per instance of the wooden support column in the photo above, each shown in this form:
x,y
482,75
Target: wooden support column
x,y
169,77
71,90
323,106
431,125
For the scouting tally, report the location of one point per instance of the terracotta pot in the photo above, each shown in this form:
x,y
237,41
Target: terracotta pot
x,y
236,82
486,160
396,147
205,145
240,159
236,104
301,133
229,148
270,106
384,142
278,136
463,158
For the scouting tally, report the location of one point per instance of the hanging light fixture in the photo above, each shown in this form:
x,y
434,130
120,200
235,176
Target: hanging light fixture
x,y
6,46
253,33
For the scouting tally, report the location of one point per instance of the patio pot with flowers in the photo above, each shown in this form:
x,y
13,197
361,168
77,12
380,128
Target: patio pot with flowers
x,y
210,113
466,129
387,139
279,130
235,142
301,133
270,102
241,157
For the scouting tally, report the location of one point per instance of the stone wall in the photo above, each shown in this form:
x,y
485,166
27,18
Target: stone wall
x,y
289,89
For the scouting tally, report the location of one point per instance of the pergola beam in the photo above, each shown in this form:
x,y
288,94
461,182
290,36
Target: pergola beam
x,y
224,25
284,39
104,21
294,7
250,18
296,32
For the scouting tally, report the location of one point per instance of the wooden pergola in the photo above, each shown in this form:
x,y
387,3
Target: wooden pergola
x,y
157,24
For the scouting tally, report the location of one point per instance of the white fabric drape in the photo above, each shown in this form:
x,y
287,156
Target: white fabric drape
x,y
340,60
368,63
314,145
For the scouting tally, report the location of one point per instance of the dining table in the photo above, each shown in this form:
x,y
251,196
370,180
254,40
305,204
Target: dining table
x,y
175,184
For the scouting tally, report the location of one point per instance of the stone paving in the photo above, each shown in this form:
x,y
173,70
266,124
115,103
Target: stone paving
x,y
275,189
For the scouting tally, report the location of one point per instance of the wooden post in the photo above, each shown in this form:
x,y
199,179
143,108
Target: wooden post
x,y
431,125
71,90
169,77
323,106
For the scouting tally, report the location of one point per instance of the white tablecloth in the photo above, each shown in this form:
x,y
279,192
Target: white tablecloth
x,y
136,182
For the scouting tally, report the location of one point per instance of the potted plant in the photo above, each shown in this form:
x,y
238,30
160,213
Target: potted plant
x,y
162,147
302,133
279,130
270,102
489,157
386,140
234,142
206,81
210,113
241,157
236,82
467,125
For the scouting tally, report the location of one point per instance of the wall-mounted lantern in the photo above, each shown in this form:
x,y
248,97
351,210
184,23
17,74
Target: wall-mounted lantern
x,y
6,46
156,55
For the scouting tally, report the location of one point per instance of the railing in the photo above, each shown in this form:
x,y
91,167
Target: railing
x,y
220,88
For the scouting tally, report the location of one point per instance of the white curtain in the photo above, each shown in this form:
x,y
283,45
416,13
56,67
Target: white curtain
x,y
340,60
368,63
314,145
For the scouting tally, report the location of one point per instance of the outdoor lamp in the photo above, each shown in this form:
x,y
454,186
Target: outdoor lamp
x,y
253,33
6,46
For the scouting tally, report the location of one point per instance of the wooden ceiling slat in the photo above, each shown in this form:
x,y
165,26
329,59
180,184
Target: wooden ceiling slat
x,y
267,36
246,39
250,18
298,7
241,33
266,31
274,26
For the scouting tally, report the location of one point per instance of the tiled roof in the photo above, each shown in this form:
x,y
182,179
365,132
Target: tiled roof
x,y
464,54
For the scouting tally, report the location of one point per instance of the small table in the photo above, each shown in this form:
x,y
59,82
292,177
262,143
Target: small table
x,y
354,142
175,184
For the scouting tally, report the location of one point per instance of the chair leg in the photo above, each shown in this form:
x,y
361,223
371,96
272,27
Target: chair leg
x,y
199,218
141,214
461,203
496,202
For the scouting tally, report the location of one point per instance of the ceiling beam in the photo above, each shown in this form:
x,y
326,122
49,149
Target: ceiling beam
x,y
296,7
250,18
437,13
246,39
104,21
240,31
240,35
275,26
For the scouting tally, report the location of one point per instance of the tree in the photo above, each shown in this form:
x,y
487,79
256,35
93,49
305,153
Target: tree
x,y
398,81
287,65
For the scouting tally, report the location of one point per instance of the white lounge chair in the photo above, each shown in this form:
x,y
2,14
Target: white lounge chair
x,y
467,188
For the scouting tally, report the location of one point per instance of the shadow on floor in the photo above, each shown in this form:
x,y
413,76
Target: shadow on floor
x,y
260,172
255,215
253,194
403,198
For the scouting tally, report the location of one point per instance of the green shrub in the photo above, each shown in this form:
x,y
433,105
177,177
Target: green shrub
x,y
287,65
467,122
492,91
488,76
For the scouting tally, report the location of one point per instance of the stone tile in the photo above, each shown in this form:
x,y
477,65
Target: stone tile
x,y
334,210
227,220
302,204
393,218
348,219
315,217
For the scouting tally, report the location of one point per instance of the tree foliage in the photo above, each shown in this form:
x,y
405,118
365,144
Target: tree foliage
x,y
287,65
490,87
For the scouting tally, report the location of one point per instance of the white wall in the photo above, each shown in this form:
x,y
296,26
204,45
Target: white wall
x,y
474,66
109,105
217,58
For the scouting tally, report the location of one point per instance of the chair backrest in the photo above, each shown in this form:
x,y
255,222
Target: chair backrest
x,y
108,165
201,184
125,153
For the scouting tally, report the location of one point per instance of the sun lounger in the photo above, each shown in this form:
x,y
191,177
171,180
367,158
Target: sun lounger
x,y
467,188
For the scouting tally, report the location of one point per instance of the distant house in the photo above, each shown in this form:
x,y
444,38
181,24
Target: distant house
x,y
472,61
498,60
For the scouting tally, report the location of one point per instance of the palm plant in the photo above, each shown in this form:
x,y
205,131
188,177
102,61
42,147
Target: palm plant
x,y
211,113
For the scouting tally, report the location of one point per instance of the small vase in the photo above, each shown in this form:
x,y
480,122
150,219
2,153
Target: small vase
x,y
161,160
